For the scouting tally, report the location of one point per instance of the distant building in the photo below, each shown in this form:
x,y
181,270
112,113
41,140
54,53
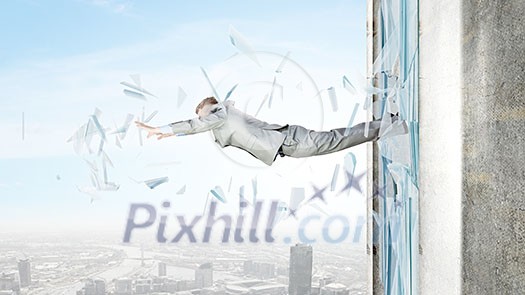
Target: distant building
x,y
8,282
89,288
265,270
248,267
268,289
204,276
171,286
213,291
142,289
162,269
282,271
325,281
261,270
24,272
335,289
100,287
93,287
123,286
315,290
255,287
143,286
159,284
300,278
281,279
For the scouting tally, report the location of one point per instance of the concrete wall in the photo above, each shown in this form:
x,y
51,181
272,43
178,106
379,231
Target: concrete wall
x,y
372,257
472,152
375,285
493,55
440,143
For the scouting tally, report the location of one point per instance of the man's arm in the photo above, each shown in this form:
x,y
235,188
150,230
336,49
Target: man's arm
x,y
192,126
199,124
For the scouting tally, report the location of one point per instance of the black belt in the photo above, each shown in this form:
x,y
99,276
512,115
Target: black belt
x,y
280,151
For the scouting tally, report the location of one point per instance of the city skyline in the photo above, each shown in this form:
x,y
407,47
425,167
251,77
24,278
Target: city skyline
x,y
238,268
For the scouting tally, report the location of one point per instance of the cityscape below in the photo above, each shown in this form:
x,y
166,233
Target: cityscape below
x,y
99,265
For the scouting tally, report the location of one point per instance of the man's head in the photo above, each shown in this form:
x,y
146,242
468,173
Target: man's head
x,y
203,108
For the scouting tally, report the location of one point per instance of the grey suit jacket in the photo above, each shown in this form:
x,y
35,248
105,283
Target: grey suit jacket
x,y
232,127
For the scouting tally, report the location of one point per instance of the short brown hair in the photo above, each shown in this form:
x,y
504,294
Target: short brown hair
x,y
207,100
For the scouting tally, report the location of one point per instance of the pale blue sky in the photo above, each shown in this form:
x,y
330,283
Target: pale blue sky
x,y
61,59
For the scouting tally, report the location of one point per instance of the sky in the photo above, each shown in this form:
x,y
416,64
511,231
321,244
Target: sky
x,y
61,60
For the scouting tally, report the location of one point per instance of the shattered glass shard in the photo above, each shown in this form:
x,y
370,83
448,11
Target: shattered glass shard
x,y
211,84
351,121
333,98
348,86
150,116
153,183
230,184
182,190
254,187
299,86
134,94
139,89
230,92
136,79
334,178
261,105
283,62
181,97
243,45
296,197
218,194
271,93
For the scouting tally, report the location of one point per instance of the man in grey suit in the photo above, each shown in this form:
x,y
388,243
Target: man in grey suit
x,y
264,141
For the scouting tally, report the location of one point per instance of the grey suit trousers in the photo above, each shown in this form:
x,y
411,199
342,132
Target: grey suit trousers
x,y
301,142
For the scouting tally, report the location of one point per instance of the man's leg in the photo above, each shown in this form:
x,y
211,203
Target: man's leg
x,y
301,142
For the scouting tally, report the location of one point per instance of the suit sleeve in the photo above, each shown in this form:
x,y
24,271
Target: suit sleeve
x,y
197,125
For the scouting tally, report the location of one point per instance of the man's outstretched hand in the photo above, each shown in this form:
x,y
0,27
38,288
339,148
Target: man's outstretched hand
x,y
152,130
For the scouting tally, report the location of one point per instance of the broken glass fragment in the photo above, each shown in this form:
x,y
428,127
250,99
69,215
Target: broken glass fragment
x,y
134,94
182,190
334,177
153,183
351,121
218,194
230,92
283,62
181,97
243,45
348,86
333,98
211,84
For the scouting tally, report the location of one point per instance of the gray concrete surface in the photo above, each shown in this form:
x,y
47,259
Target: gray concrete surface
x,y
493,172
472,149
375,285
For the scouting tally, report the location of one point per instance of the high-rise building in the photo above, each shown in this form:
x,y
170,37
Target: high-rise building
x,y
162,269
24,271
300,279
204,276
